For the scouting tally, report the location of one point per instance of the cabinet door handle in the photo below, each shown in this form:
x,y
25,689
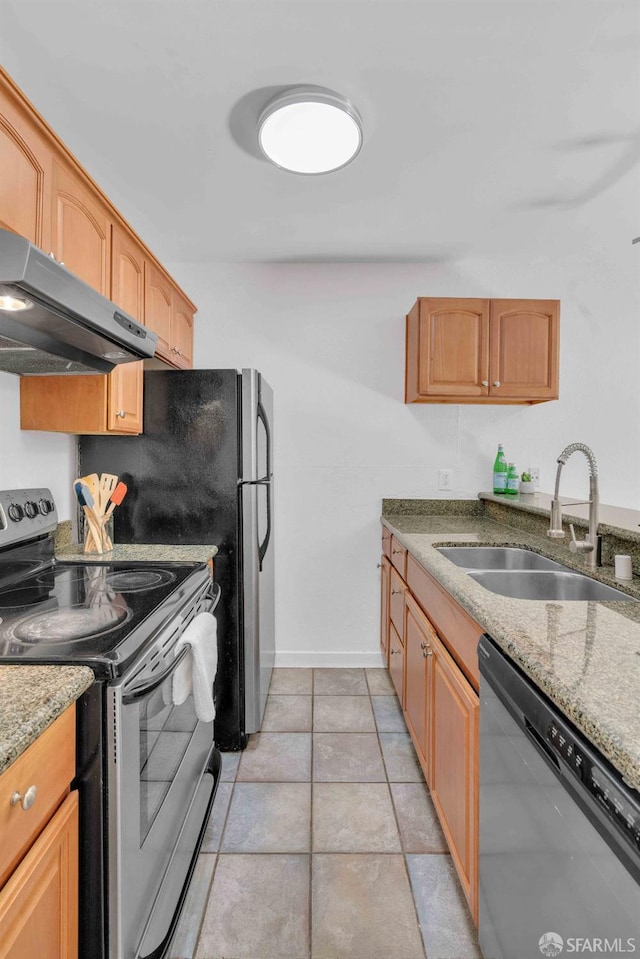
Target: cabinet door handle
x,y
395,592
394,651
27,799
427,652
497,383
485,382
121,414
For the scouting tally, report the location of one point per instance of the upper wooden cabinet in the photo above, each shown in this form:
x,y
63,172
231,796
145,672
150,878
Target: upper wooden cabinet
x,y
25,162
46,196
482,351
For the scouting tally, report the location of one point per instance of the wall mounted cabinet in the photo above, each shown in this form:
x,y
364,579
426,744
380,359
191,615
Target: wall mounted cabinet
x,y
482,351
46,196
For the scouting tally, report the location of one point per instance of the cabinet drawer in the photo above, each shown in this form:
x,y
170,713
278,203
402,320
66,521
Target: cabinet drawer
x,y
399,557
396,603
396,662
459,631
49,765
386,542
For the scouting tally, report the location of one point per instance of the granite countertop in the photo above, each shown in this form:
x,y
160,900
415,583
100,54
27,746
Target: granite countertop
x,y
584,655
140,553
31,697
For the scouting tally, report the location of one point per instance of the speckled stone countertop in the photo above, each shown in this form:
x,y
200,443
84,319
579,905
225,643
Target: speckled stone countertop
x,y
584,655
31,697
140,553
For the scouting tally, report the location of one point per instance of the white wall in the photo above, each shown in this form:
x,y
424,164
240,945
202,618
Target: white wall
x,y
330,340
32,458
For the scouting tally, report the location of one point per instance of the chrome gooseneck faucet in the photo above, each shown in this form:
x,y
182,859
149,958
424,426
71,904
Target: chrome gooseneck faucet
x,y
591,546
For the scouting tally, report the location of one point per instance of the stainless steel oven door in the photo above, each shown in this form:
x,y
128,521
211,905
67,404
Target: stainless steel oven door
x,y
157,754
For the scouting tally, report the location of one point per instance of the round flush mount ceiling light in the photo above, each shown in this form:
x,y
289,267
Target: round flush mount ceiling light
x,y
310,130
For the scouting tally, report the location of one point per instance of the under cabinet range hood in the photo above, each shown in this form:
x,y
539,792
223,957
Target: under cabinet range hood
x,y
53,322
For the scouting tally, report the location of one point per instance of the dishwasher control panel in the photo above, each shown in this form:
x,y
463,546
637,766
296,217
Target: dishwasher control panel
x,y
608,792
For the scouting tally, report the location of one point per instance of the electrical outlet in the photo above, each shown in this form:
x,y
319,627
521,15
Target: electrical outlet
x,y
445,479
534,472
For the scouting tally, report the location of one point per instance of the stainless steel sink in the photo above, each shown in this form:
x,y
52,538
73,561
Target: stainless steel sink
x,y
497,557
546,585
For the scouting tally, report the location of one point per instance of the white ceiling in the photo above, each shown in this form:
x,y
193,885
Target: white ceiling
x,y
488,125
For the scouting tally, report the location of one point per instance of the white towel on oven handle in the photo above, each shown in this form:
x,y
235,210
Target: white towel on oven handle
x,y
197,670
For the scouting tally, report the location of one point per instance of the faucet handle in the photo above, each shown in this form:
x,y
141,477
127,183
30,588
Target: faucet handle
x,y
579,546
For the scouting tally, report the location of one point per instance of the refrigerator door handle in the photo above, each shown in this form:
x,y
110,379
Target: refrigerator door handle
x,y
262,547
267,429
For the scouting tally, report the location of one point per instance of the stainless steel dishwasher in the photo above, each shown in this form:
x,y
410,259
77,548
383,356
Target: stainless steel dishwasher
x,y
559,829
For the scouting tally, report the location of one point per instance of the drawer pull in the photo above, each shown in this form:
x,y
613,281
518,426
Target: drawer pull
x,y
27,800
395,592
394,651
394,551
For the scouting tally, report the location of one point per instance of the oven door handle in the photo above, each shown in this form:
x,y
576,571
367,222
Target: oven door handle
x,y
139,692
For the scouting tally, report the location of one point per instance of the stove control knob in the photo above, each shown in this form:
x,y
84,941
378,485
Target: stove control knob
x,y
15,512
31,509
46,506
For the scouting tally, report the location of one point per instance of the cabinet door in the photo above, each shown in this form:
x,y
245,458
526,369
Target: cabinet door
x,y
385,567
447,349
396,662
80,230
418,654
524,349
182,332
39,903
454,766
127,291
25,162
159,309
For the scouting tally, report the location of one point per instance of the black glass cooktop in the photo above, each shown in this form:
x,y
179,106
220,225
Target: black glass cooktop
x,y
98,614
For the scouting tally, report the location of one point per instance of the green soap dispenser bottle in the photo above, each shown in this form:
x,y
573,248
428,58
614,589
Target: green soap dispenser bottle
x,y
512,480
500,472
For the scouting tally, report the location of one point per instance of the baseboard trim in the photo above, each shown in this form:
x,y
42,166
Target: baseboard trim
x,y
329,660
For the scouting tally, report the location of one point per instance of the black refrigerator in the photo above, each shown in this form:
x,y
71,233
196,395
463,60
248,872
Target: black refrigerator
x,y
201,473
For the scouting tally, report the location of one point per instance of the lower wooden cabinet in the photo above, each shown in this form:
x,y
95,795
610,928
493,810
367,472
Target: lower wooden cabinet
x,y
454,774
418,645
385,567
39,903
396,661
435,682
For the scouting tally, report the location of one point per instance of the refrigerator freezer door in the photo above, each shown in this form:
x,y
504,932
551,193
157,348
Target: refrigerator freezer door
x,y
257,545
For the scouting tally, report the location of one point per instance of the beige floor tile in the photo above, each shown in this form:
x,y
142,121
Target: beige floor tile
x,y
362,908
291,682
276,757
400,758
287,714
269,817
445,921
379,682
347,757
420,830
258,909
353,817
347,714
339,682
183,944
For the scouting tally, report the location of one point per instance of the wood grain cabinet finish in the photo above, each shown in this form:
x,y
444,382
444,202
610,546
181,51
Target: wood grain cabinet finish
x,y
26,165
39,849
397,592
396,662
46,196
418,654
39,903
385,584
464,350
454,775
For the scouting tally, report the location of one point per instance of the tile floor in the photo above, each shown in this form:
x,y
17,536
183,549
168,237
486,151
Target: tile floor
x,y
323,842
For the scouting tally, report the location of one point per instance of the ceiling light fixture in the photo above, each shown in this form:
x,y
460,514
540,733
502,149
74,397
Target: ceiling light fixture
x,y
310,130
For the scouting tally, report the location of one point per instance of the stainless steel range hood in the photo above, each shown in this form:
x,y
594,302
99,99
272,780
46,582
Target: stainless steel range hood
x,y
53,322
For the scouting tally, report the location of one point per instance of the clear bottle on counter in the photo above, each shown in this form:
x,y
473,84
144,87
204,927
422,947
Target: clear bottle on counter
x,y
512,480
500,472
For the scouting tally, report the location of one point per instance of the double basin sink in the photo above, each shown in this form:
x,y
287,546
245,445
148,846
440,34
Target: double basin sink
x,y
523,574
